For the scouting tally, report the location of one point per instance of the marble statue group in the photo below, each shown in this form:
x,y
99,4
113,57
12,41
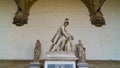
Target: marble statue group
x,y
61,51
62,41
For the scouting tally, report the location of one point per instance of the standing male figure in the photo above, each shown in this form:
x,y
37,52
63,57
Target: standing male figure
x,y
61,38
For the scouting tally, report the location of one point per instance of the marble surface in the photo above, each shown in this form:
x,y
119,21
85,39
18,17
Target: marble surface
x,y
61,55
60,64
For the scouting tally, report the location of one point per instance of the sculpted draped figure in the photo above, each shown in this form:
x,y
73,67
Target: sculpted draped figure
x,y
37,51
80,50
62,40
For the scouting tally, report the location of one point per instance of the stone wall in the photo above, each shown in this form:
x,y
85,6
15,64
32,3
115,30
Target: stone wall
x,y
92,64
104,64
13,64
46,16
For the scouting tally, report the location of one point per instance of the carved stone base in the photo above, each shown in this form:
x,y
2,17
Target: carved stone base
x,y
65,55
60,59
82,65
34,65
60,64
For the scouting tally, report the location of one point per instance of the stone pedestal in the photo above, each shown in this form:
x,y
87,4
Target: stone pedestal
x,y
60,60
82,65
34,65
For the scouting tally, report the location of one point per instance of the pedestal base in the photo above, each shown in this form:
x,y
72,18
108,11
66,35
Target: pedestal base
x,y
34,65
60,60
82,65
60,64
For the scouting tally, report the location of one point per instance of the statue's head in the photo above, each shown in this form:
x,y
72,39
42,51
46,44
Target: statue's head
x,y
79,41
66,22
80,44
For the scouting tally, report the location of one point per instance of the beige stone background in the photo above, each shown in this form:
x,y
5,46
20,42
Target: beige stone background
x,y
17,43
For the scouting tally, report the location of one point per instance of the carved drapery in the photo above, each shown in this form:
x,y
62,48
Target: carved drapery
x,y
21,16
37,51
94,8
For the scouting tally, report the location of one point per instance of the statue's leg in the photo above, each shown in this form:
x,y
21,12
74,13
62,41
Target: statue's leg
x,y
63,45
71,46
58,45
52,46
